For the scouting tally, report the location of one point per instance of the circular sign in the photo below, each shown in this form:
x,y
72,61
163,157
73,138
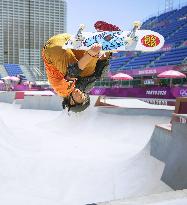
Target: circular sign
x,y
150,41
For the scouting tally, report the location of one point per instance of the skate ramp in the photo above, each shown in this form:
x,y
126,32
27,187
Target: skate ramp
x,y
175,172
131,106
56,158
168,146
165,198
39,102
7,96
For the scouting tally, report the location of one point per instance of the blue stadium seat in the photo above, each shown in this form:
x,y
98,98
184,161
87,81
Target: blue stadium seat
x,y
173,26
13,69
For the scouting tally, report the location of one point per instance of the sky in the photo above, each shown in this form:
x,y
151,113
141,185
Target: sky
x,y
119,12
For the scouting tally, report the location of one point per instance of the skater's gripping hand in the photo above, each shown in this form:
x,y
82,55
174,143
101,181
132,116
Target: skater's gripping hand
x,y
71,81
95,50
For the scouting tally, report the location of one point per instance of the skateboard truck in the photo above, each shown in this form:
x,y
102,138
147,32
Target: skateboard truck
x,y
77,41
79,36
132,35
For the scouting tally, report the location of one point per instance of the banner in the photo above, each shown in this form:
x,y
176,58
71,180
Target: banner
x,y
149,71
149,92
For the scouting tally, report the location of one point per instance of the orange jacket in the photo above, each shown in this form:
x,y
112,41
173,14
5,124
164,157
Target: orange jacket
x,y
60,85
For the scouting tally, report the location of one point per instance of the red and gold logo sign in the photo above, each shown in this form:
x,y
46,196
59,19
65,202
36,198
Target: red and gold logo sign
x,y
150,41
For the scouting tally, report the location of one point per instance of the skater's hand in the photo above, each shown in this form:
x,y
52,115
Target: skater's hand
x,y
71,81
95,49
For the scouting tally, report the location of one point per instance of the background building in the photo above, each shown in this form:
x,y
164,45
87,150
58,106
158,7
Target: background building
x,y
25,26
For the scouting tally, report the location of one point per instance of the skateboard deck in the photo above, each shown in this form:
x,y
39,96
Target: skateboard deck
x,y
135,40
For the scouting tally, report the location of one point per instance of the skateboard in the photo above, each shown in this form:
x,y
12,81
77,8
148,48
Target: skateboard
x,y
134,40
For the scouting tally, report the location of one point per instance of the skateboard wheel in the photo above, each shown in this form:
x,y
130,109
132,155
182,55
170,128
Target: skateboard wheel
x,y
135,38
137,24
82,26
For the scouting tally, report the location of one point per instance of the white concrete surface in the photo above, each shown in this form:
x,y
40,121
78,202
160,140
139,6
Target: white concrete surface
x,y
135,103
45,102
165,198
7,97
50,157
47,92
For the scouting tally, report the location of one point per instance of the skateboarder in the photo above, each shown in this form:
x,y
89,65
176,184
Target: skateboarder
x,y
72,73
